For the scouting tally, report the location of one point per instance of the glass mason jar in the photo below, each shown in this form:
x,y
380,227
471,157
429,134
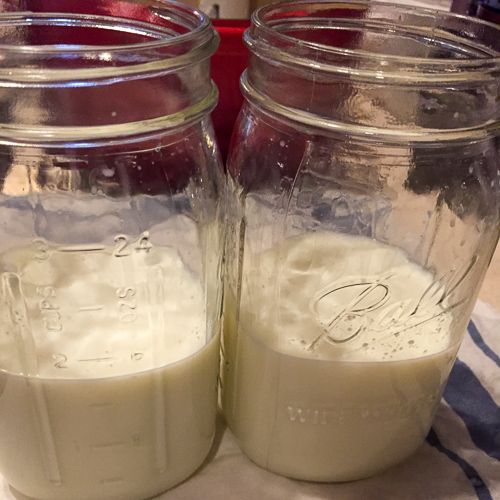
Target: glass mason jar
x,y
110,257
363,211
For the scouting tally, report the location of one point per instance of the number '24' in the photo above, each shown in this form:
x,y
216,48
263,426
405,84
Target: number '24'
x,y
124,247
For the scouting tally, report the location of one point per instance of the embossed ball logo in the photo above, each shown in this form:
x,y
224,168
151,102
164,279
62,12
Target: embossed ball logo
x,y
342,309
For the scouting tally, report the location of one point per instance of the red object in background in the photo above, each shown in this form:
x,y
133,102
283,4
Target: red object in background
x,y
227,65
231,59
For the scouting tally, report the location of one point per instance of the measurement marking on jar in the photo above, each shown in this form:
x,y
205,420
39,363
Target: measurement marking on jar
x,y
81,248
91,308
127,304
96,360
115,444
42,249
49,309
111,480
124,247
60,360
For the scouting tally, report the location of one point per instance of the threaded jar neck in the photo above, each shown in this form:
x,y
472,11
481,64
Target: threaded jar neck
x,y
116,69
375,67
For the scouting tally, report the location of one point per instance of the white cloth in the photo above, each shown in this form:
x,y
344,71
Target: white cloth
x,y
459,461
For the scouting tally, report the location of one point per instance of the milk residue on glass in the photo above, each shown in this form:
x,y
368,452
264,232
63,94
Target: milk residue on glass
x,y
342,350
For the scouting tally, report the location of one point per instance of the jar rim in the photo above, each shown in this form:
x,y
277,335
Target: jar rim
x,y
199,22
262,26
313,123
182,36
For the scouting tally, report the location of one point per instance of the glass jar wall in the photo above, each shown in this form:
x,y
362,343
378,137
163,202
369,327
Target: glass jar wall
x,y
110,248
363,212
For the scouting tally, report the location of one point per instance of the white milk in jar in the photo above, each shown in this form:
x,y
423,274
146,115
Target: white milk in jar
x,y
340,357
108,381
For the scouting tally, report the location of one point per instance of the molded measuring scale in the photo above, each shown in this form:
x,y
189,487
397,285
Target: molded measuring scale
x,y
106,367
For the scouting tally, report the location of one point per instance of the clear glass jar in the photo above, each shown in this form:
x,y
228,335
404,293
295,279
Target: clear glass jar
x,y
110,253
363,212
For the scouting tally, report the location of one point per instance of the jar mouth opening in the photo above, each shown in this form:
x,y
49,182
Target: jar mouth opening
x,y
129,26
87,73
68,43
378,32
